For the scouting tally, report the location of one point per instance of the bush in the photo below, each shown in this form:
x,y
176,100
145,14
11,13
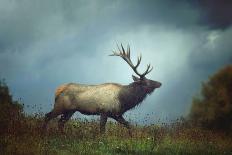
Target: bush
x,y
213,108
11,111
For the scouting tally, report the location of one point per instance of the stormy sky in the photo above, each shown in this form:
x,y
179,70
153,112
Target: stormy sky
x,y
44,44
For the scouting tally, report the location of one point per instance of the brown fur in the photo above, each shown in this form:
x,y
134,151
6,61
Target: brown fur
x,y
132,95
108,100
60,89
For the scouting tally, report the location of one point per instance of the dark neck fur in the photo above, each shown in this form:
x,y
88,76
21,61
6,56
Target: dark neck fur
x,y
131,95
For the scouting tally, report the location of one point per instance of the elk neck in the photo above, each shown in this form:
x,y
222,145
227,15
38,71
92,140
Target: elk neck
x,y
131,95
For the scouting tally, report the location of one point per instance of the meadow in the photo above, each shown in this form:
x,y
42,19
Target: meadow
x,y
82,137
22,134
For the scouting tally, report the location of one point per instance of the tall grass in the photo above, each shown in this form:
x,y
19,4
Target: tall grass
x,y
22,134
82,137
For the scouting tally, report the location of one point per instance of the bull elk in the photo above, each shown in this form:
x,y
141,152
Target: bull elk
x,y
107,100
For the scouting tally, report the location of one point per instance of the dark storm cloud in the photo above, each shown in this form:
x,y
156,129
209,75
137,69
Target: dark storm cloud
x,y
47,43
23,22
216,14
178,13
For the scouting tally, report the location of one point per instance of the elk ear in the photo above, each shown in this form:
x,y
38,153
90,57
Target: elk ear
x,y
135,78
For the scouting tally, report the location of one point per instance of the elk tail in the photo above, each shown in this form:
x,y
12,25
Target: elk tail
x,y
59,91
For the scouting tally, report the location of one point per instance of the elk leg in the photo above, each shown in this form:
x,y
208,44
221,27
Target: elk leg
x,y
64,118
103,120
122,121
47,118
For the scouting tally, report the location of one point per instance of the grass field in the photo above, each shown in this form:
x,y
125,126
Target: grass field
x,y
82,137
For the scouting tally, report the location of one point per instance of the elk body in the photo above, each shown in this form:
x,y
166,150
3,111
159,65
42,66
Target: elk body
x,y
107,100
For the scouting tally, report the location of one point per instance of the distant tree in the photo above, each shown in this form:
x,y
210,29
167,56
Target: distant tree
x,y
213,108
10,111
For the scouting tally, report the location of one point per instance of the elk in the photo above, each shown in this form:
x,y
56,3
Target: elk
x,y
107,100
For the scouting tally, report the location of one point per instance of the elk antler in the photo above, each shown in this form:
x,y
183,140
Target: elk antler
x,y
126,56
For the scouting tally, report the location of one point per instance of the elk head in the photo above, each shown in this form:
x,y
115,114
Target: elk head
x,y
146,84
